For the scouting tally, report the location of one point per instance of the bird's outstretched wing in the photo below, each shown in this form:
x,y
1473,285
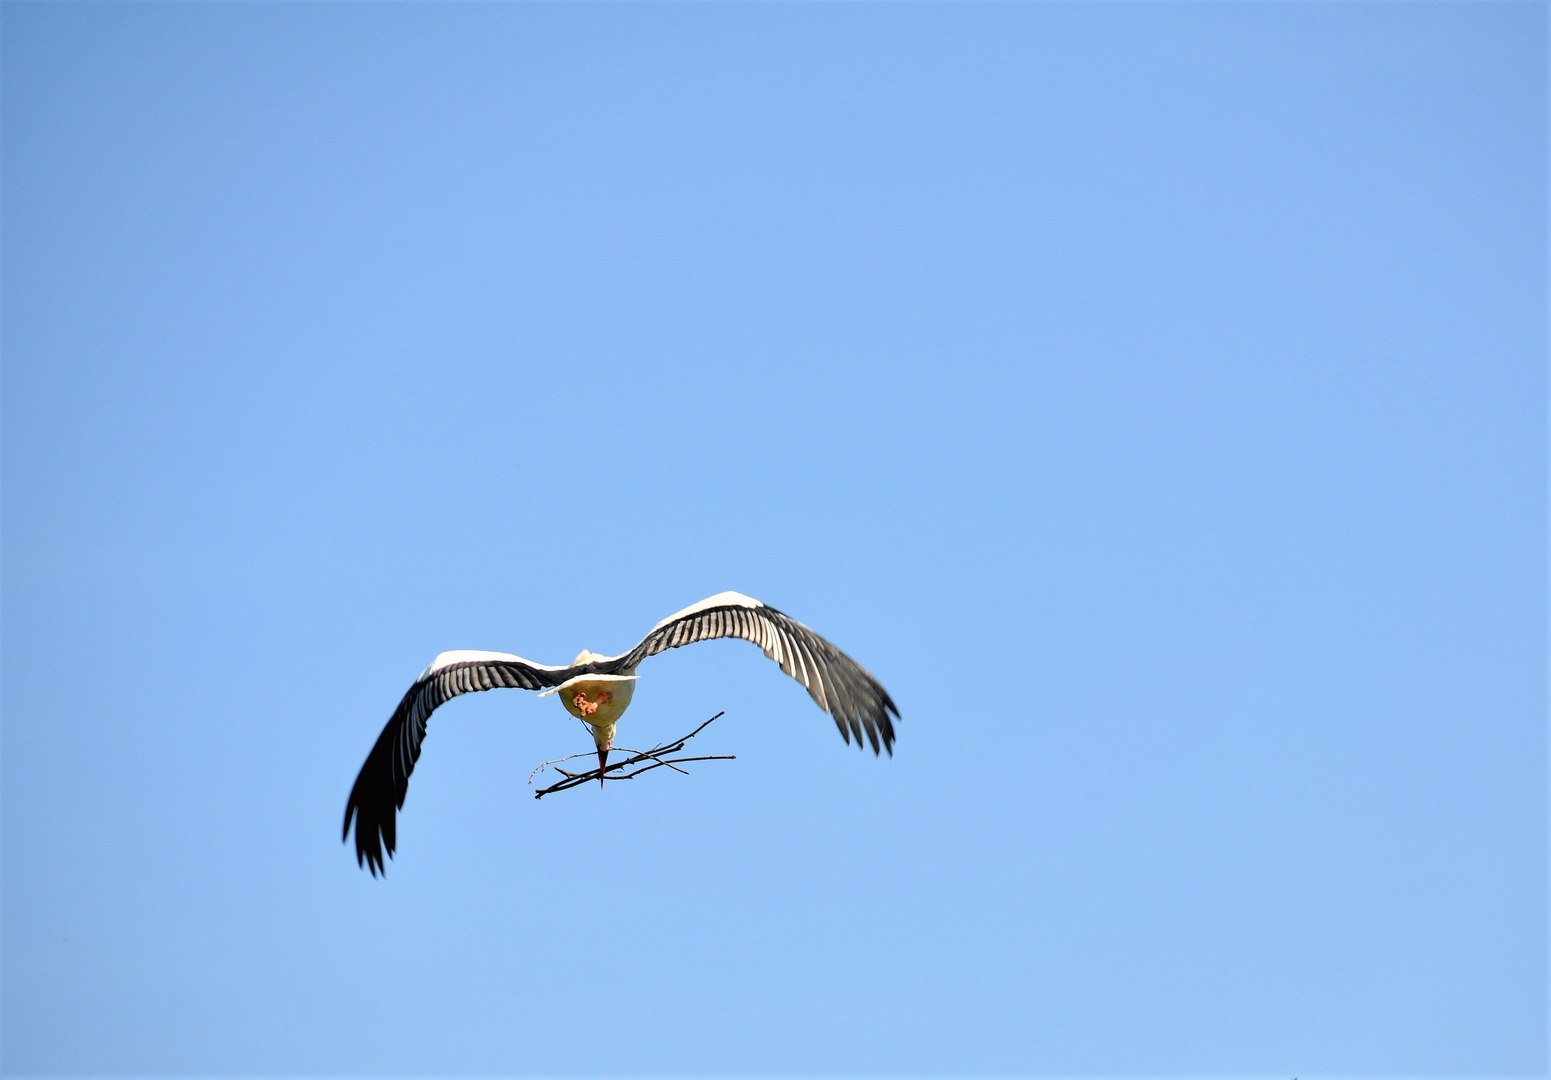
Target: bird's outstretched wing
x,y
840,686
379,790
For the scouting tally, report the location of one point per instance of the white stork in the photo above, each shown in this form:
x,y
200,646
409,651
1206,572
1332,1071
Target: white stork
x,y
597,690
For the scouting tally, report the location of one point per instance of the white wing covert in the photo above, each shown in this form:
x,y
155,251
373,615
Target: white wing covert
x,y
838,684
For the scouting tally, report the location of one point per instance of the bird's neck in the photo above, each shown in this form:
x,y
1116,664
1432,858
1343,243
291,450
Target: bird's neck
x,y
603,734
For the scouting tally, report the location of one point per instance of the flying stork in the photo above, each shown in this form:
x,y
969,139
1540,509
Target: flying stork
x,y
597,689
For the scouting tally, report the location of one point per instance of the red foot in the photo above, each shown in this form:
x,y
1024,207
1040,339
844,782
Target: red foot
x,y
587,708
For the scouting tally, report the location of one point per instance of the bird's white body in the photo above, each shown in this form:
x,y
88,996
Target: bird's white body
x,y
596,700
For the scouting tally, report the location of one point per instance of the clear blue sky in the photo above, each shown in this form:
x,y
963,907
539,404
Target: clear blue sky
x,y
1154,397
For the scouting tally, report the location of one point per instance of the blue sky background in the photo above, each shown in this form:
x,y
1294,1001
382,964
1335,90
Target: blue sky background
x,y
1152,396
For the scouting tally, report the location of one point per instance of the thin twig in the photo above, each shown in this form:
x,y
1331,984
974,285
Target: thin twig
x,y
653,755
546,764
657,755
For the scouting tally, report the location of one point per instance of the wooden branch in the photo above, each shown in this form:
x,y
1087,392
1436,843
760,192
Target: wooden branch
x,y
659,756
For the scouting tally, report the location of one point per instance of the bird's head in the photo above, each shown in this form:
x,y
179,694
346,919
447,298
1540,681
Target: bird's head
x,y
586,656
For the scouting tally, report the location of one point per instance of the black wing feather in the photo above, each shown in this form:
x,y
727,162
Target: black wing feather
x,y
838,684
379,790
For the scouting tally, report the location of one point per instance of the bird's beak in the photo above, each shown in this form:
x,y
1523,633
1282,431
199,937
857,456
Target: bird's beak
x,y
603,763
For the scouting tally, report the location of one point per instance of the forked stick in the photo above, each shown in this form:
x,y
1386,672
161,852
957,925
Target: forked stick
x,y
657,755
